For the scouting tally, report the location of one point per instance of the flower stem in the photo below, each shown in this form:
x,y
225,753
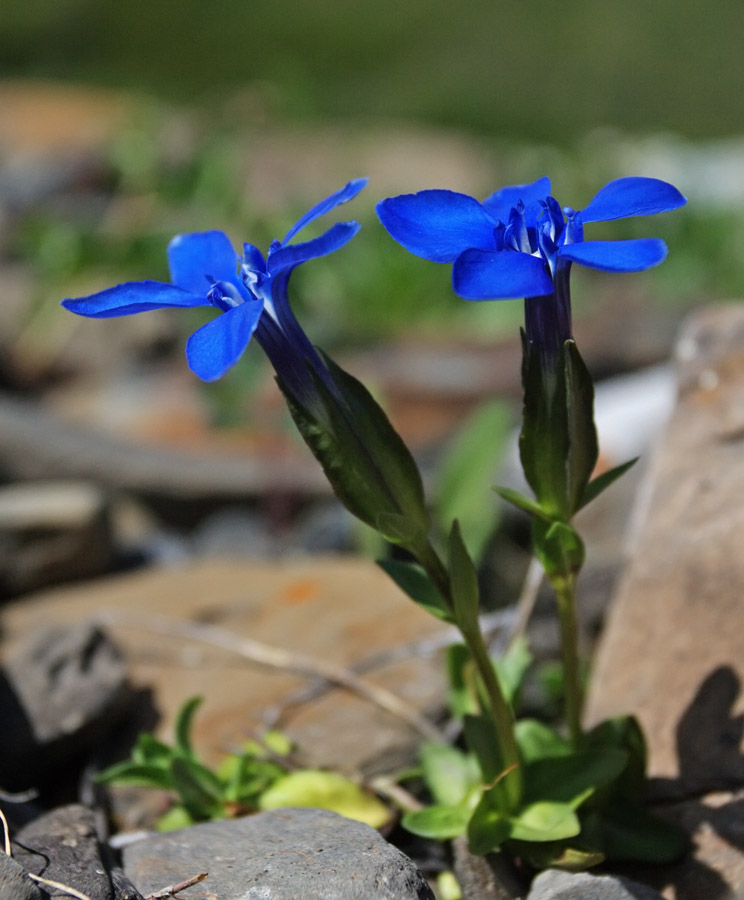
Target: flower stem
x,y
498,707
502,716
565,590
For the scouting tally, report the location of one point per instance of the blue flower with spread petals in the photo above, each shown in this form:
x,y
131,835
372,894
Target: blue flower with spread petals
x,y
249,290
520,243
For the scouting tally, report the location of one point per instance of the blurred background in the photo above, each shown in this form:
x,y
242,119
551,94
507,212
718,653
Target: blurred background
x,y
123,124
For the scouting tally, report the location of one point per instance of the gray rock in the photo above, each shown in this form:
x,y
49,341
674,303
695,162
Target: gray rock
x,y
284,854
489,877
60,692
62,846
15,883
52,532
553,884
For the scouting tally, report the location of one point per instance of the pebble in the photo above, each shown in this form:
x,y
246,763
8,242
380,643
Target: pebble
x,y
279,855
554,884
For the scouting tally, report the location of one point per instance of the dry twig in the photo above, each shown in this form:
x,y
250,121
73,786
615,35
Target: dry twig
x,y
60,887
281,660
173,889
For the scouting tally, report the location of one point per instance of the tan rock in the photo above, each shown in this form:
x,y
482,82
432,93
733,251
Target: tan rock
x,y
338,611
672,651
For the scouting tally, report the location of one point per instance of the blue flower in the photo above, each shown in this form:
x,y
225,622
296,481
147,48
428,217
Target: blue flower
x,y
520,243
249,290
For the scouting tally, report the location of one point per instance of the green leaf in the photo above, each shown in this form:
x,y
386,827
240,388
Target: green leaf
x,y
571,779
326,790
536,741
198,787
414,582
463,582
176,818
512,667
623,733
449,773
184,721
488,829
468,464
545,821
603,481
527,504
582,433
482,738
398,529
148,751
439,823
558,855
277,742
138,774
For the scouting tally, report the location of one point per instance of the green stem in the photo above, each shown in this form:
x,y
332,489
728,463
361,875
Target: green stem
x,y
511,786
565,590
502,717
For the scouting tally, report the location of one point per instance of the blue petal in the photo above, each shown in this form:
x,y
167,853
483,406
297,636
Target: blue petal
x,y
133,297
480,275
616,256
218,345
286,257
500,204
197,257
632,197
348,192
437,225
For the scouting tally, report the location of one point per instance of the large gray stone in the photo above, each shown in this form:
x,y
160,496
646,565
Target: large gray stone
x,y
62,846
285,854
554,884
14,881
61,691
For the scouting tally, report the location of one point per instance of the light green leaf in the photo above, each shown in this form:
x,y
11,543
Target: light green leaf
x,y
545,821
449,773
176,818
526,504
326,790
536,741
437,822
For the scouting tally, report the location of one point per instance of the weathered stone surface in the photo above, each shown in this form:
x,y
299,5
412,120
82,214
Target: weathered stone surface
x,y
554,884
61,690
339,611
671,650
484,877
62,846
52,532
15,883
281,855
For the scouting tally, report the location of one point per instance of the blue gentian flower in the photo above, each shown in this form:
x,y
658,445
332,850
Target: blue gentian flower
x,y
249,290
520,243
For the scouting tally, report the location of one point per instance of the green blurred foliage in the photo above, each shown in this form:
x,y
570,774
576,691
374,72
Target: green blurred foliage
x,y
531,69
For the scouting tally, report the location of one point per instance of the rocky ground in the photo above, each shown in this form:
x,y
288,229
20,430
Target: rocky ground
x,y
146,557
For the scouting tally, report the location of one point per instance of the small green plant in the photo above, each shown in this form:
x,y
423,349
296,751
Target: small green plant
x,y
257,778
